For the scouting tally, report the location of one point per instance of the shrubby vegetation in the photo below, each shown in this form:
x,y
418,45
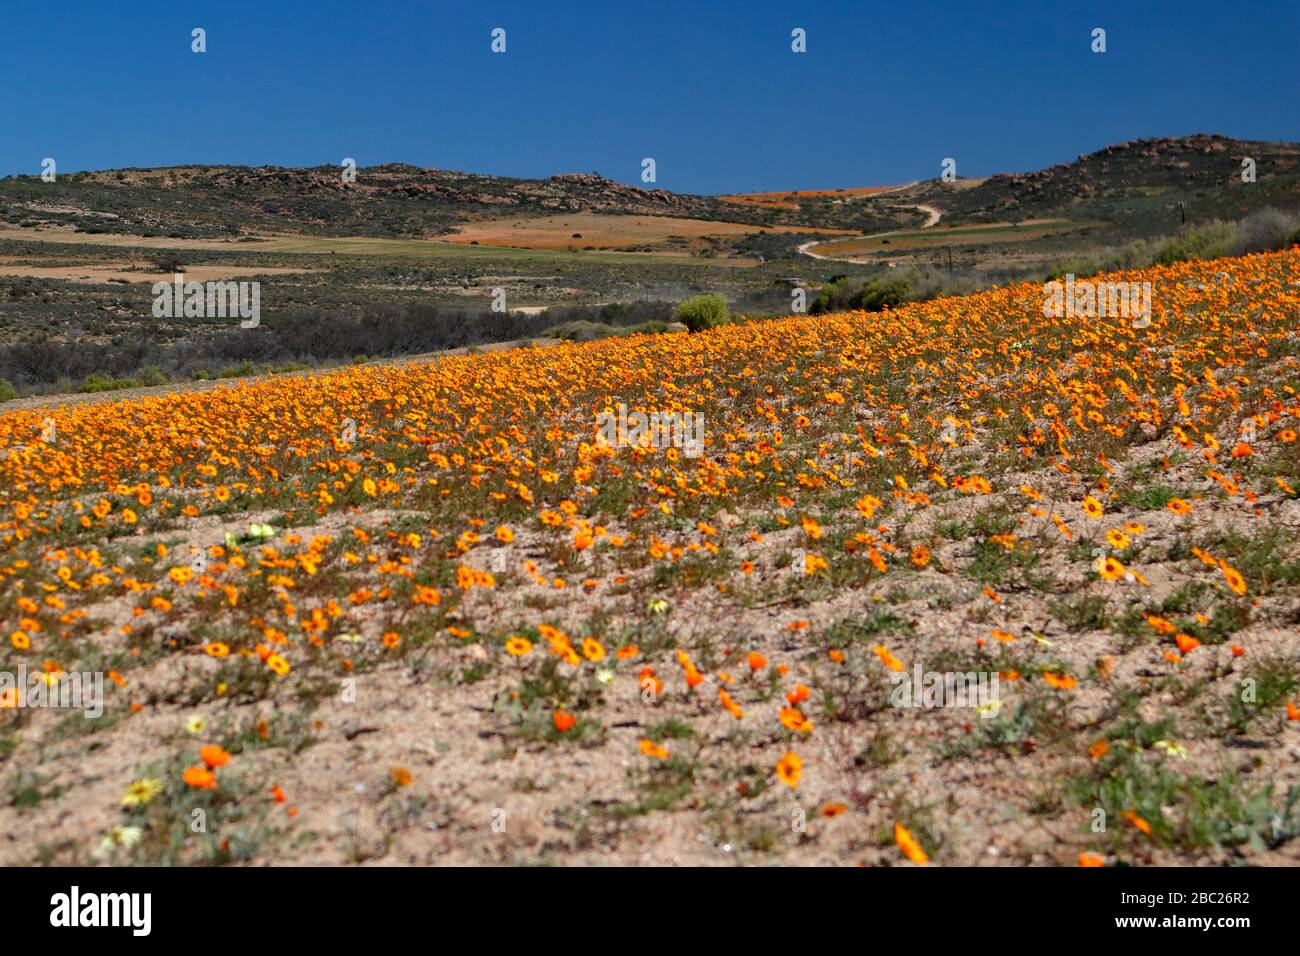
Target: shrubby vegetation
x,y
1264,230
581,323
702,312
873,295
584,331
300,341
843,293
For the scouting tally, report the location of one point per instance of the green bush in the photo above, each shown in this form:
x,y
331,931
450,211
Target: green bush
x,y
881,293
1262,231
580,330
701,312
7,390
875,295
1202,242
103,382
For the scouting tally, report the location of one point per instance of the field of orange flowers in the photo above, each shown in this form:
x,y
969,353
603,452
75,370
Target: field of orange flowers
x,y
425,614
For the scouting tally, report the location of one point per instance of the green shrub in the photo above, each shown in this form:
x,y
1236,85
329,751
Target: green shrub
x,y
701,312
7,390
874,295
103,382
1202,242
580,330
881,293
653,327
1262,231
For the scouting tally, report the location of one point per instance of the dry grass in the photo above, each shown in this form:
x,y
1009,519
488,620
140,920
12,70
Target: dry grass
x,y
792,198
581,230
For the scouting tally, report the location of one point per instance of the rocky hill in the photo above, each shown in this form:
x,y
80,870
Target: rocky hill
x,y
1144,178
393,199
1136,186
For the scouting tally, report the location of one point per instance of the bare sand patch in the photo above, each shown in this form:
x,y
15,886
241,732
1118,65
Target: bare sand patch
x,y
99,274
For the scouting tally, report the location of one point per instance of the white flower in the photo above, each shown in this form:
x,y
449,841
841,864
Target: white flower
x,y
1171,748
121,836
196,724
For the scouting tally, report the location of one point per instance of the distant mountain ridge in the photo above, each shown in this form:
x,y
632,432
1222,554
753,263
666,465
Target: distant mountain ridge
x,y
1140,180
1201,167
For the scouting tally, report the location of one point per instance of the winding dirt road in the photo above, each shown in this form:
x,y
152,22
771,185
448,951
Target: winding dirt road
x,y
933,216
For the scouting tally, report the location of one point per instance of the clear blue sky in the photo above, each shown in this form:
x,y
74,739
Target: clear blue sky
x,y
711,90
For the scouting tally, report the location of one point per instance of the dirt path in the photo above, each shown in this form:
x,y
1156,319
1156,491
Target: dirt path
x,y
933,216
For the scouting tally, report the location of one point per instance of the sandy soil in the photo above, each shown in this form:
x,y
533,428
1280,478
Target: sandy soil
x,y
97,275
610,232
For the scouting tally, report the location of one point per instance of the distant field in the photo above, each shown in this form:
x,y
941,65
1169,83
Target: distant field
x,y
369,246
587,229
792,198
96,274
991,234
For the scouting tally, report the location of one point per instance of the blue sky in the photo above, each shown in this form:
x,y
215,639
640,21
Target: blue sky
x,y
710,90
